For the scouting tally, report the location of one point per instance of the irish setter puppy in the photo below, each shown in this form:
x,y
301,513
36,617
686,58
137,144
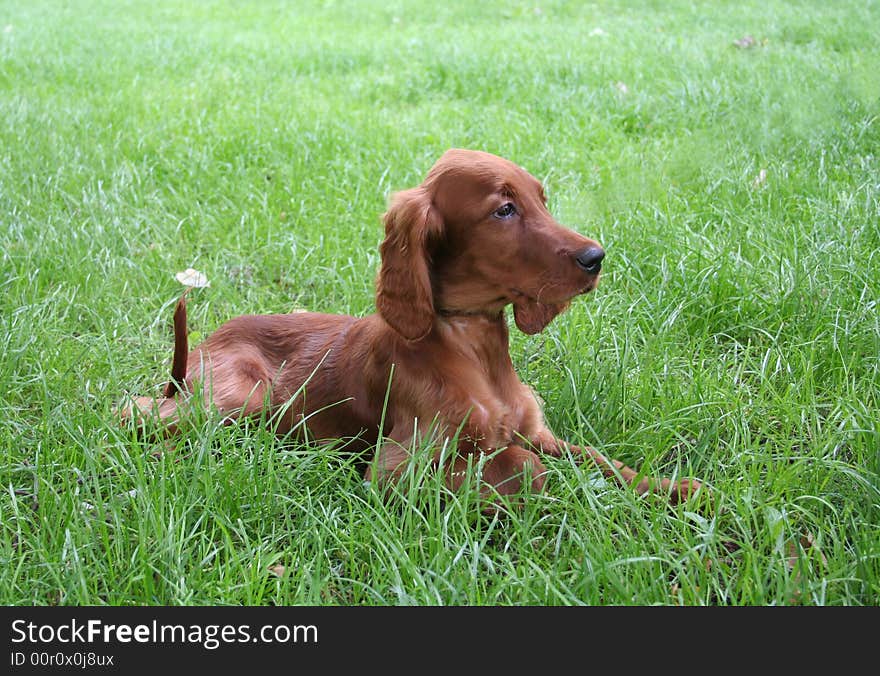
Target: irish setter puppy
x,y
433,362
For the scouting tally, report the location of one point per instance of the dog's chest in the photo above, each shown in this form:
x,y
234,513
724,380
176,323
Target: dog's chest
x,y
497,408
482,396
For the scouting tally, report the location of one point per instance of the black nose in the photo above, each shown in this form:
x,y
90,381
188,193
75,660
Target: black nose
x,y
590,259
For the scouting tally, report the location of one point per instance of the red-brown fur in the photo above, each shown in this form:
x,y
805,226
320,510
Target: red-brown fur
x,y
437,348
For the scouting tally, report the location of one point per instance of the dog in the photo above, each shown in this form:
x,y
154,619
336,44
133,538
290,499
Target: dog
x,y
433,362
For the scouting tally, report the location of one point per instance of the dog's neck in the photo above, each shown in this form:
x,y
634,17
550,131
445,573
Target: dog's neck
x,y
481,338
489,315
486,329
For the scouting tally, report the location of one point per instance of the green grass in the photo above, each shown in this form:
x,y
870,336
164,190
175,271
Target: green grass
x,y
735,336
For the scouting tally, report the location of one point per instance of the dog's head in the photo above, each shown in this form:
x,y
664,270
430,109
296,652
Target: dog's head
x,y
476,236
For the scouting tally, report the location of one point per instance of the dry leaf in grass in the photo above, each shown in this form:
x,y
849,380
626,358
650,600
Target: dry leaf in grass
x,y
745,42
192,278
791,554
807,543
277,570
791,562
760,179
675,591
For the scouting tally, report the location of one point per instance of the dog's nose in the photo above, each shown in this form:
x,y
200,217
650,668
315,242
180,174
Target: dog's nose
x,y
590,259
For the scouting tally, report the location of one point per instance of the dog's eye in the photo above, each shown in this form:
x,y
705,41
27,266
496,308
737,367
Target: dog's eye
x,y
506,211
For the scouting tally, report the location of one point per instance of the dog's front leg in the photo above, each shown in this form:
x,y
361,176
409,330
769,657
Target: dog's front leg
x,y
388,464
502,472
678,491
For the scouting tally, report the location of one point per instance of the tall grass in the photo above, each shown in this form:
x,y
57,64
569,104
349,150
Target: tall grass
x,y
735,336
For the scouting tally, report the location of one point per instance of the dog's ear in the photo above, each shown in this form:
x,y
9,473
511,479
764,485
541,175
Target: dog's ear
x,y
403,287
532,316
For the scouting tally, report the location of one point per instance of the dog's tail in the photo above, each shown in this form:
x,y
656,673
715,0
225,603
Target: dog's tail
x,y
181,349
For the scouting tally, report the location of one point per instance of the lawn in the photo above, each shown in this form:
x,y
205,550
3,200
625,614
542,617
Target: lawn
x,y
726,156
